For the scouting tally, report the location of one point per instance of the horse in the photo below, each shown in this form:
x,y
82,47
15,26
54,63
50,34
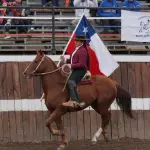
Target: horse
x,y
99,94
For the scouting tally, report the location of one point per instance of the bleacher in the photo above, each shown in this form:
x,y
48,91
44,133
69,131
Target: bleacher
x,y
42,35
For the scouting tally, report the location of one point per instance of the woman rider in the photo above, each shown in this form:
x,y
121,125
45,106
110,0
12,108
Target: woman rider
x,y
79,64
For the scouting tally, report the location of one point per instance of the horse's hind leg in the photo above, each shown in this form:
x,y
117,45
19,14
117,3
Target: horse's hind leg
x,y
105,116
105,121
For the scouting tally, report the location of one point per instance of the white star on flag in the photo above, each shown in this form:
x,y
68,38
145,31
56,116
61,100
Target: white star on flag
x,y
85,29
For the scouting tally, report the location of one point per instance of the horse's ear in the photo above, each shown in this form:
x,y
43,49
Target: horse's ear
x,y
40,52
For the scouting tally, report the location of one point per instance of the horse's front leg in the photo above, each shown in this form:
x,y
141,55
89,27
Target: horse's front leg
x,y
56,116
60,127
49,126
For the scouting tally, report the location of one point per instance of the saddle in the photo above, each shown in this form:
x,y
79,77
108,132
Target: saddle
x,y
86,79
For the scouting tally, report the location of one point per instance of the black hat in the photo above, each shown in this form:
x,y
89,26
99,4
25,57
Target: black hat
x,y
80,38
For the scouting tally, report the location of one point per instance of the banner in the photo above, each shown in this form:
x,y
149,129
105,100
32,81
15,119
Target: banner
x,y
135,26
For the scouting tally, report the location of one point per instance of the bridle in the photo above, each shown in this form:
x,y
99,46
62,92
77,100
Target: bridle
x,y
45,73
50,72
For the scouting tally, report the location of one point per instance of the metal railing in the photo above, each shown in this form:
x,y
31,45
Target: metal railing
x,y
53,17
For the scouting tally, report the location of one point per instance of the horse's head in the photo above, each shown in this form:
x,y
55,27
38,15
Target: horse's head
x,y
37,66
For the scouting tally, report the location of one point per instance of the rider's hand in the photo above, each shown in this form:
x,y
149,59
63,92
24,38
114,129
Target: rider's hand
x,y
69,66
88,74
66,68
63,59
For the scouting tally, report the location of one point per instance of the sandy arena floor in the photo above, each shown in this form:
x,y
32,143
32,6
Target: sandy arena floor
x,y
123,144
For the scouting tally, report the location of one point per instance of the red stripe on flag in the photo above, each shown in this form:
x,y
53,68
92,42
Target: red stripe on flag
x,y
94,64
71,46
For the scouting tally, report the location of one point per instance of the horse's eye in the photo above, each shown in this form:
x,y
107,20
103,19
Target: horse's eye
x,y
35,62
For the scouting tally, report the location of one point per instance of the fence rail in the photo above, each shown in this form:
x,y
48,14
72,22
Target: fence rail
x,y
23,115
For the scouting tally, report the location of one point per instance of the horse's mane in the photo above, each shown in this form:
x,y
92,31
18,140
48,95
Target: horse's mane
x,y
55,65
59,71
52,62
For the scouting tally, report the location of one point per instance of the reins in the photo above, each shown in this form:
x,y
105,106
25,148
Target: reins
x,y
45,73
50,72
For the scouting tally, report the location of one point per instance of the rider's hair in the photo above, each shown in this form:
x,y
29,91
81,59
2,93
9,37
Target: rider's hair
x,y
88,57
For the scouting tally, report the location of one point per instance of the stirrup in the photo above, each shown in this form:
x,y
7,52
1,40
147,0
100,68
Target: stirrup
x,y
68,104
76,104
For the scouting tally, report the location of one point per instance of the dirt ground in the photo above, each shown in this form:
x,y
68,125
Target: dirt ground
x,y
123,144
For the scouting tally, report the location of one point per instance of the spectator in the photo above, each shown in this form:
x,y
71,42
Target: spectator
x,y
54,2
92,10
109,13
68,3
3,11
17,12
45,2
83,3
99,2
131,4
71,3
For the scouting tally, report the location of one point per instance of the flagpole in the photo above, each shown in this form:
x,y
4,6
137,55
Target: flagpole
x,y
71,38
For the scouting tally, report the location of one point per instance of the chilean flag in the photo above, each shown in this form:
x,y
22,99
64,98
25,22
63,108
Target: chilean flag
x,y
101,61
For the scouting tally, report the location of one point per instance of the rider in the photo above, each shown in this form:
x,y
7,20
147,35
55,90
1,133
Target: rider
x,y
79,64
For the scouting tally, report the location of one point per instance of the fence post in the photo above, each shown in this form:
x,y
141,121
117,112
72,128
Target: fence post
x,y
53,29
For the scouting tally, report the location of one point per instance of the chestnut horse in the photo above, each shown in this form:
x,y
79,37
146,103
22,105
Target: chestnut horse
x,y
99,94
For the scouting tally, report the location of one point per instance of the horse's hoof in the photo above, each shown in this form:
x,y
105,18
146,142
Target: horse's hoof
x,y
61,147
56,132
106,139
94,141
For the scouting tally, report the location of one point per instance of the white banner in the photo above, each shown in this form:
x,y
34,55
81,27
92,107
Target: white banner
x,y
135,26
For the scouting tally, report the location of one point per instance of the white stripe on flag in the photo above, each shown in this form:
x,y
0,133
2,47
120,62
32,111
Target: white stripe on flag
x,y
106,61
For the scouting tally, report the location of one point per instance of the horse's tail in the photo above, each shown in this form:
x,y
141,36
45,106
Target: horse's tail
x,y
123,99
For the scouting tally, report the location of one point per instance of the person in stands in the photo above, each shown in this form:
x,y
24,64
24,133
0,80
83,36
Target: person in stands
x,y
110,13
17,12
2,11
54,2
69,3
83,3
131,4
